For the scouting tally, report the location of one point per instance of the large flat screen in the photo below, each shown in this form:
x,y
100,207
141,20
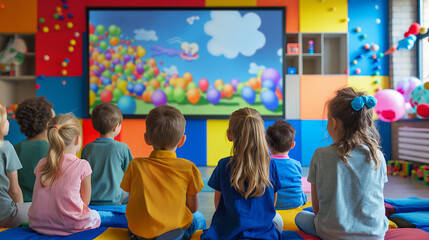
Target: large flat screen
x,y
207,62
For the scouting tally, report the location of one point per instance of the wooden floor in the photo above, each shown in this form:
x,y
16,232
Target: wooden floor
x,y
396,187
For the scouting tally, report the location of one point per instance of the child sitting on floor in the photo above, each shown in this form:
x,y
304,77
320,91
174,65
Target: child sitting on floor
x,y
108,158
280,139
163,188
32,117
62,189
347,177
13,210
245,184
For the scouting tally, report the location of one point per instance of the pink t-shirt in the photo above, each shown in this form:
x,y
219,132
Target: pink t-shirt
x,y
59,209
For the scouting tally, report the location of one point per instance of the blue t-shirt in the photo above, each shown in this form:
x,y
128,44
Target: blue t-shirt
x,y
9,162
351,201
108,159
290,194
239,218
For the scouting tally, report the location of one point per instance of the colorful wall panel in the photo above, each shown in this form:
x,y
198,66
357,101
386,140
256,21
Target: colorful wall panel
x,y
313,136
66,93
384,129
323,16
15,135
295,153
18,16
55,48
195,147
132,134
218,145
369,24
316,91
368,84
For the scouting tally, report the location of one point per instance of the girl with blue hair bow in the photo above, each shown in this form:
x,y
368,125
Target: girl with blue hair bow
x,y
347,177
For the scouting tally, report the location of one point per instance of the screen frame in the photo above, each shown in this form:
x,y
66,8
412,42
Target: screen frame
x,y
187,116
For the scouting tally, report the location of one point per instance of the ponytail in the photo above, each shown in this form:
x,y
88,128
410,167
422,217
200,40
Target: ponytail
x,y
250,157
62,130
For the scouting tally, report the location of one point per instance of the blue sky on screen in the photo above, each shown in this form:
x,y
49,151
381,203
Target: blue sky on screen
x,y
212,44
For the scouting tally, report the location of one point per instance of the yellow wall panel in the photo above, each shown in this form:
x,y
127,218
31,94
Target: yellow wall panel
x,y
218,145
230,3
323,16
368,84
18,16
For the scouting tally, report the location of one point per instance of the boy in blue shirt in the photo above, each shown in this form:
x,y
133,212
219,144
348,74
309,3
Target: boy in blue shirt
x,y
280,138
108,158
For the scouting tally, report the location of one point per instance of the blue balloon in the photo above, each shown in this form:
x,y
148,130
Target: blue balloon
x,y
127,104
268,83
93,87
139,89
105,80
248,94
269,99
213,96
130,87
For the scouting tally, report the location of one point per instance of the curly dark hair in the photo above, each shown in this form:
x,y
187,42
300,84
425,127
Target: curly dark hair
x,y
33,115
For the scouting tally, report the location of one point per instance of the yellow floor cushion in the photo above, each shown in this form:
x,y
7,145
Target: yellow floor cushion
x,y
289,217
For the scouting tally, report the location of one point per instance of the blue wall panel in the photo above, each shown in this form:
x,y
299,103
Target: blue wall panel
x,y
313,136
195,147
385,138
364,14
295,153
66,93
15,136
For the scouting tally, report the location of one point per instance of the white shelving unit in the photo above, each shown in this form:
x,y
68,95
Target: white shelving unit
x,y
329,57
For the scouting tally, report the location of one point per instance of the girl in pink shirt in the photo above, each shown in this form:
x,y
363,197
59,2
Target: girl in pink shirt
x,y
62,189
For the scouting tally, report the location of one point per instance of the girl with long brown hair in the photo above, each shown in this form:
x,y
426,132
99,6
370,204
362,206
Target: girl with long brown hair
x,y
347,177
246,184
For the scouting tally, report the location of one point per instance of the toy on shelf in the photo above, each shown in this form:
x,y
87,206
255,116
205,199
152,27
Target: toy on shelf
x,y
293,48
14,52
310,47
291,70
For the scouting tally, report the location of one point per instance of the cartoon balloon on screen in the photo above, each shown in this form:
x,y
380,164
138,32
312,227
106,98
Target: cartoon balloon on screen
x,y
127,105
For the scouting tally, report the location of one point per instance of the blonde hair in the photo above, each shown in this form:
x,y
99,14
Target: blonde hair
x,y
165,126
3,119
250,159
62,130
358,126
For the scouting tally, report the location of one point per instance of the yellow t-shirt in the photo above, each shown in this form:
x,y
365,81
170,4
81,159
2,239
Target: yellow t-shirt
x,y
158,186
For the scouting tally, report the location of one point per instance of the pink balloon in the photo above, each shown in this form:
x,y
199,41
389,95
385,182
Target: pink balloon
x,y
203,84
390,105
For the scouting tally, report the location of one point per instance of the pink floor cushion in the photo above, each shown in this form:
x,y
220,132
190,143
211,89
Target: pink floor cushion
x,y
406,234
306,186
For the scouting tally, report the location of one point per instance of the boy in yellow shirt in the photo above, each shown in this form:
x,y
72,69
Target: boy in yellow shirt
x,y
163,188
